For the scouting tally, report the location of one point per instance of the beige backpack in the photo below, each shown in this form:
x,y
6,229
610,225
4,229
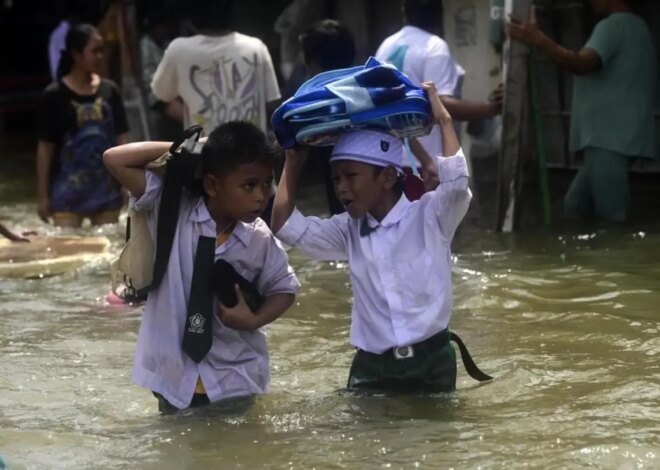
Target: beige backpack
x,y
133,270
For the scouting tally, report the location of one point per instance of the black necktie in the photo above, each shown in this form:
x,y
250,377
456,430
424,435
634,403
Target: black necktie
x,y
197,333
365,228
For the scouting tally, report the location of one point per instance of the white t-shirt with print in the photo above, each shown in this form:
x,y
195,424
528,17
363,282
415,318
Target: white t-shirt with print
x,y
424,57
219,78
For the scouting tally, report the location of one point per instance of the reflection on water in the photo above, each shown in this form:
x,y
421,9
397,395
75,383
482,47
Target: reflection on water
x,y
568,325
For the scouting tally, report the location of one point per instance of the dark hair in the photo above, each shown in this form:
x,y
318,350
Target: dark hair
x,y
76,40
210,14
424,14
329,43
233,144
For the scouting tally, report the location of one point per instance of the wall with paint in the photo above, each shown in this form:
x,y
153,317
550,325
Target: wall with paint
x,y
466,24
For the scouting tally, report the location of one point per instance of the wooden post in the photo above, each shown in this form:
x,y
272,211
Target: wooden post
x,y
513,127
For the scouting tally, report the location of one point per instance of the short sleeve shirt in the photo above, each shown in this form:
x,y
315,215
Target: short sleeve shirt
x,y
58,113
219,78
613,108
237,364
62,112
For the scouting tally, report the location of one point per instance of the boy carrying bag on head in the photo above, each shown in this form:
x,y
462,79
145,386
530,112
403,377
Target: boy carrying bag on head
x,y
194,347
398,252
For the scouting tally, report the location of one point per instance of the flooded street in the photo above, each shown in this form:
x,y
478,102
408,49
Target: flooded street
x,y
568,325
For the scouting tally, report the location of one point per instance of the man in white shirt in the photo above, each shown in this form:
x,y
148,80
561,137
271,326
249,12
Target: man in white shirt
x,y
399,255
419,52
219,74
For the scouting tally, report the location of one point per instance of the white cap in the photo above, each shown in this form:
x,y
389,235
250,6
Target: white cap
x,y
369,146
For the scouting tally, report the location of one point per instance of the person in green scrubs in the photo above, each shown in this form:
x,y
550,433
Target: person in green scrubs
x,y
612,119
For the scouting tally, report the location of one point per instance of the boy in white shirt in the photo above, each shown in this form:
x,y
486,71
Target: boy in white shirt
x,y
398,252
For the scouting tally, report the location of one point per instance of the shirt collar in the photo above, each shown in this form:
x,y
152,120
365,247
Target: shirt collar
x,y
200,214
393,216
410,28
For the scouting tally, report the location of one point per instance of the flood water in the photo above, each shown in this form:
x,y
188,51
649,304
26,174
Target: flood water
x,y
568,325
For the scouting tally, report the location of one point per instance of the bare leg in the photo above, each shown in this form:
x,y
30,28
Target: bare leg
x,y
67,219
105,217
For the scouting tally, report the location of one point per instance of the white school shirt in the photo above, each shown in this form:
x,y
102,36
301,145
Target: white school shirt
x,y
237,363
219,78
401,272
424,57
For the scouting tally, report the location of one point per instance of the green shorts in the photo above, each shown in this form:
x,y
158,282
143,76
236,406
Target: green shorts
x,y
600,188
430,368
425,367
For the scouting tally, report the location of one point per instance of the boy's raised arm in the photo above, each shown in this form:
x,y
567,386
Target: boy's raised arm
x,y
450,144
451,198
285,197
127,163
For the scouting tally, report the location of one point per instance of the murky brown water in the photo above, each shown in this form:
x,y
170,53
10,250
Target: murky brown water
x,y
569,326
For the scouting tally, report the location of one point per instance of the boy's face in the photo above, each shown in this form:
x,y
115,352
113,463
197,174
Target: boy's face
x,y
361,187
241,194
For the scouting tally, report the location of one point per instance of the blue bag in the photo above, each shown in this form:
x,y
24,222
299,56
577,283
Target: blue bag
x,y
374,95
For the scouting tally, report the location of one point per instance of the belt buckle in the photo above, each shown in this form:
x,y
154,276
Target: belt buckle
x,y
404,352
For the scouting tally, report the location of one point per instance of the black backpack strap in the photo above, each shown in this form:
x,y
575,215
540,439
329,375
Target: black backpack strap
x,y
179,172
168,216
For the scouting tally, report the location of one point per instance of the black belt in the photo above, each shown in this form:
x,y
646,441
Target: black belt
x,y
438,340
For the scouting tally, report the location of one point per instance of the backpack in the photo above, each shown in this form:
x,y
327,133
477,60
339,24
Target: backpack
x,y
374,95
143,261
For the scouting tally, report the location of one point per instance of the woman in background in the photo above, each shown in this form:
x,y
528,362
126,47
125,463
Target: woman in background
x,y
81,116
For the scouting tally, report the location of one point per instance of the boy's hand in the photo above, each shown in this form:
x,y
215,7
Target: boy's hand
x,y
430,176
440,114
239,317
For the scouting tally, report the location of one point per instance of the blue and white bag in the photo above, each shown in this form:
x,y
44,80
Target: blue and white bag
x,y
375,95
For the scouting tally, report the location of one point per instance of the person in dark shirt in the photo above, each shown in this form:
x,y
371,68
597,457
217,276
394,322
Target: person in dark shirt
x,y
81,116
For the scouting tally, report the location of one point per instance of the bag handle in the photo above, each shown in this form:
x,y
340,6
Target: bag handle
x,y
177,175
187,137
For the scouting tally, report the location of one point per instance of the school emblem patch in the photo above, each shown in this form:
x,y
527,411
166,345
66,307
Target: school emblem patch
x,y
197,323
384,145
